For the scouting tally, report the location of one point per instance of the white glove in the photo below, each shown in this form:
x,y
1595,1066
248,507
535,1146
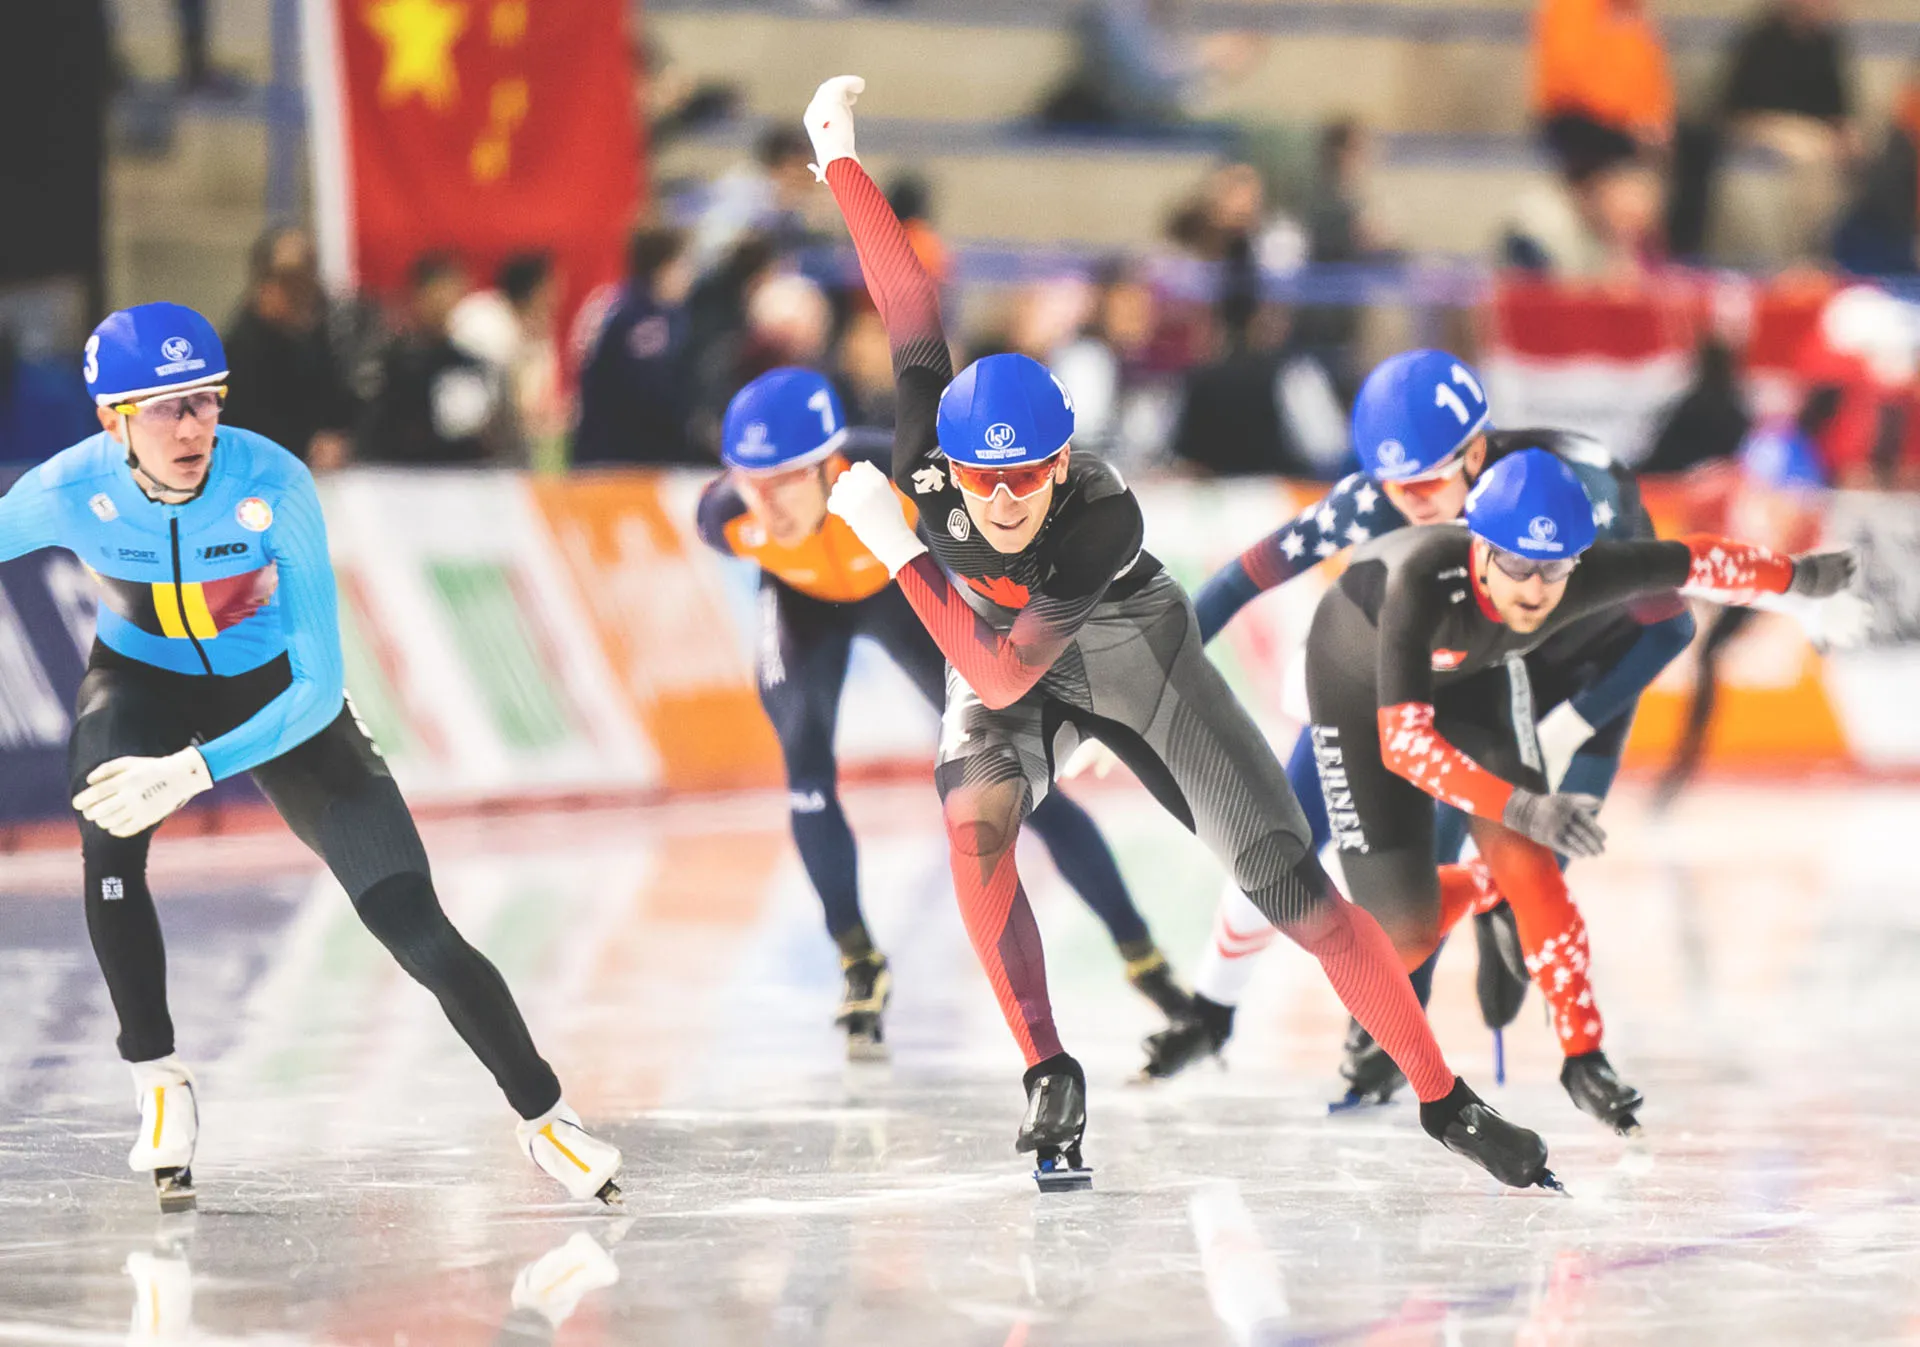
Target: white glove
x,y
864,498
1561,732
1091,757
130,795
829,119
1840,622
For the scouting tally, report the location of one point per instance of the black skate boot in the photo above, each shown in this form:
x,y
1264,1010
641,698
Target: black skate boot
x,y
1371,1076
1201,1032
1152,977
1467,1126
869,986
1597,1091
1056,1119
1503,978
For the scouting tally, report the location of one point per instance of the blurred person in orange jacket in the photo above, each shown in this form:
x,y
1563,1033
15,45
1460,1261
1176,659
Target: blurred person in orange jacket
x,y
1601,86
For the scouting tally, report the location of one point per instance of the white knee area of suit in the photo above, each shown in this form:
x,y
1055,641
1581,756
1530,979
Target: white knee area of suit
x,y
1240,932
169,1115
564,1149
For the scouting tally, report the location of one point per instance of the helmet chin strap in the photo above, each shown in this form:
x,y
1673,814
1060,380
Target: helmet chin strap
x,y
150,486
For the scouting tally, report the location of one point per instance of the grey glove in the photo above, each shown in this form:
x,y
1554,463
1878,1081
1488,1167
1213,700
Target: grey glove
x,y
1563,822
1821,574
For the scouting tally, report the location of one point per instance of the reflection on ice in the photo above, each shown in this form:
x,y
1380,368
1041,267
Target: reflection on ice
x,y
358,1180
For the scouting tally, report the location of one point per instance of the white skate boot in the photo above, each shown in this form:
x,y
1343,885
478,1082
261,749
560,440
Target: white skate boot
x,y
584,1164
169,1127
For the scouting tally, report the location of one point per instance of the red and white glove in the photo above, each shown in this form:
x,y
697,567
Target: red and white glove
x,y
864,497
829,120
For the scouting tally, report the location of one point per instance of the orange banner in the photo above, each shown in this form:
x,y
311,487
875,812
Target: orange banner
x,y
660,614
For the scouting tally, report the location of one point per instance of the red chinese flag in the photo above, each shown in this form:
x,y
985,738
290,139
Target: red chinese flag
x,y
481,127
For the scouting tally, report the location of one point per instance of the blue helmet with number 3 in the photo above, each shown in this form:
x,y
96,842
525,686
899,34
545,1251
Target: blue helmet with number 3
x,y
1415,411
786,418
150,350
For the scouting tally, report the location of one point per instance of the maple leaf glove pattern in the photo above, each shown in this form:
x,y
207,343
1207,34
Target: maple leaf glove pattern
x,y
864,498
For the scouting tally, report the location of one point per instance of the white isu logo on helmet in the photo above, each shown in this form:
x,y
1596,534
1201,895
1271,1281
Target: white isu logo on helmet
x,y
176,348
999,435
1391,453
753,441
1541,532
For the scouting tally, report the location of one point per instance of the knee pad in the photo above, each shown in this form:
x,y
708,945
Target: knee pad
x,y
405,915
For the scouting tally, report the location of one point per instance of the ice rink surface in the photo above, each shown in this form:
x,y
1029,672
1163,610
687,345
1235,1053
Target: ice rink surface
x,y
1757,957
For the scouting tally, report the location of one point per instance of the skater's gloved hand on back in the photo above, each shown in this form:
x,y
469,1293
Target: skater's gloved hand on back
x,y
130,795
1561,732
1563,823
1820,574
829,119
864,498
1092,758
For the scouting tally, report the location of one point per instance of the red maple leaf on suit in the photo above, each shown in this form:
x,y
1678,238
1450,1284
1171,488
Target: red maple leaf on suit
x,y
1007,593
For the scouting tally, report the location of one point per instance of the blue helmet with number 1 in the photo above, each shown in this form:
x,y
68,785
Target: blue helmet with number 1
x,y
1003,411
786,418
150,350
1415,411
1530,503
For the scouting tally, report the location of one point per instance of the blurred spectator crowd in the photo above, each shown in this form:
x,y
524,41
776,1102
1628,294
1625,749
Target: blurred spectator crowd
x,y
1181,357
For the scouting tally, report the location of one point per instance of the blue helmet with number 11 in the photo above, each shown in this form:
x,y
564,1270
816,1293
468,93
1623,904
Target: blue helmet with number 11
x,y
1415,411
786,418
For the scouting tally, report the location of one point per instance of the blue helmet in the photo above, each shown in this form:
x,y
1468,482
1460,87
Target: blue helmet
x,y
1414,412
783,419
1003,411
1530,503
151,349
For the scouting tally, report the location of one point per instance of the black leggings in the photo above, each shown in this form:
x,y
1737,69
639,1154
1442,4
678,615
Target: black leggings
x,y
804,647
336,794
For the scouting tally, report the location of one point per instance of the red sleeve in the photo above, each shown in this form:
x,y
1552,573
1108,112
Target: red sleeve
x,y
1410,747
1731,571
902,290
1000,667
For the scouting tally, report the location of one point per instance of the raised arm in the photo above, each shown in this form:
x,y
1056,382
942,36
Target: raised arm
x,y
902,291
1354,511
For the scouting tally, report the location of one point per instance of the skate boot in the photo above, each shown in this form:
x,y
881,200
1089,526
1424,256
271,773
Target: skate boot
x,y
169,1129
1152,976
1503,979
1466,1126
868,987
1597,1091
1371,1076
1201,1032
1056,1119
583,1164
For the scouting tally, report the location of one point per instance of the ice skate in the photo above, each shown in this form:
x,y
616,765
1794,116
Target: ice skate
x,y
1502,980
1055,1121
583,1164
868,986
1598,1092
169,1130
1371,1075
1199,1033
1152,976
1467,1126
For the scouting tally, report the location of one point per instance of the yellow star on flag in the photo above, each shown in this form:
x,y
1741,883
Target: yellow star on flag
x,y
419,37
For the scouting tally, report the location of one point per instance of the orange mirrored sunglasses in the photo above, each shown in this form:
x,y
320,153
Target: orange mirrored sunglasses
x,y
1027,479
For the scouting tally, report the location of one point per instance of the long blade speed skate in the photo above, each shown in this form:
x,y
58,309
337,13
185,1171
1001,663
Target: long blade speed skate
x,y
1372,1077
1467,1126
1598,1092
1056,1119
564,1149
169,1130
868,986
